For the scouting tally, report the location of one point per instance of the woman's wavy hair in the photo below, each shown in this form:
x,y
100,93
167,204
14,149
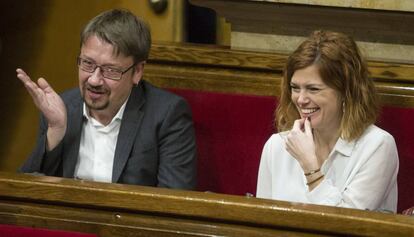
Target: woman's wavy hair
x,y
342,68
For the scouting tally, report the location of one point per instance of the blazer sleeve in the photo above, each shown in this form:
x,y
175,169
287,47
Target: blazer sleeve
x,y
40,160
177,148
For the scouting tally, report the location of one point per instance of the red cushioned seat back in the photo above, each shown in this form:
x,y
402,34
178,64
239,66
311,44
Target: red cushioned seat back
x,y
23,231
399,122
230,131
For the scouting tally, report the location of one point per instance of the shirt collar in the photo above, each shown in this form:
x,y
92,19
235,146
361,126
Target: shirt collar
x,y
344,147
118,116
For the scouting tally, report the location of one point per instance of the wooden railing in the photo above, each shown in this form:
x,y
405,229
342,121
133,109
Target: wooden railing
x,y
126,210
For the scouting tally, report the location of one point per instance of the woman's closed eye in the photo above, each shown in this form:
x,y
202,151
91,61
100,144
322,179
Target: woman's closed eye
x,y
295,88
314,89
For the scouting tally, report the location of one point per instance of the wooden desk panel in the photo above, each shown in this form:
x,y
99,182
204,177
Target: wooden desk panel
x,y
127,210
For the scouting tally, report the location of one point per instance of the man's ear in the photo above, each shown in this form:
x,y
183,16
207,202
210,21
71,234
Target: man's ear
x,y
139,71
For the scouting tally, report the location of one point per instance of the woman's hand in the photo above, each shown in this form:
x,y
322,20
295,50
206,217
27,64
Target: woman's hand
x,y
409,211
300,144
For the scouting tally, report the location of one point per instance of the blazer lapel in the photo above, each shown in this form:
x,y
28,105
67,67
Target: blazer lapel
x,y
130,124
72,140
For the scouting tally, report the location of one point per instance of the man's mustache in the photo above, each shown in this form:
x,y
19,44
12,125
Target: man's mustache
x,y
96,89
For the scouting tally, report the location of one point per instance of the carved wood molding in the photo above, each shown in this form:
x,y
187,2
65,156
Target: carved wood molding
x,y
219,69
299,19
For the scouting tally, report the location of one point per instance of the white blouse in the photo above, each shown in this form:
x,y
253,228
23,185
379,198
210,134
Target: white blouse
x,y
360,174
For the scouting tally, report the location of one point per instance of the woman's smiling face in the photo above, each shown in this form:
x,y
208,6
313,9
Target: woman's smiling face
x,y
316,100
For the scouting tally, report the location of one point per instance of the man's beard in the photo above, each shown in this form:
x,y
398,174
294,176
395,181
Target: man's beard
x,y
95,105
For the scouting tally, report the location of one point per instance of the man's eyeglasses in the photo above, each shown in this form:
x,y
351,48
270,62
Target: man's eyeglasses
x,y
107,72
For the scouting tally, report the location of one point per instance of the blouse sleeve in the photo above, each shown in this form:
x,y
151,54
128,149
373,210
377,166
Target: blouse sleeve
x,y
372,179
264,184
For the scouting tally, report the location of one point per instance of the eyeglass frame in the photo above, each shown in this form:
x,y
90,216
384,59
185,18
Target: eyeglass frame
x,y
104,68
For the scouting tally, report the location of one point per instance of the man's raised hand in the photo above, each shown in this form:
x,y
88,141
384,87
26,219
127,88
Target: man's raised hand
x,y
50,104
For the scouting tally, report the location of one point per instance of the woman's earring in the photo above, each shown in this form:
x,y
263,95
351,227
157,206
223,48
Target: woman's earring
x,y
343,107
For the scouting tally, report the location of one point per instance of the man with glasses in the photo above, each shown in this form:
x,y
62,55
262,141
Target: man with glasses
x,y
115,127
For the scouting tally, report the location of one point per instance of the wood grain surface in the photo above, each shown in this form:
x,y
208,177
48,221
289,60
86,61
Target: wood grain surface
x,y
219,69
129,210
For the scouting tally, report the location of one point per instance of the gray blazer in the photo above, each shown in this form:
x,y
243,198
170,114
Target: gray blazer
x,y
156,142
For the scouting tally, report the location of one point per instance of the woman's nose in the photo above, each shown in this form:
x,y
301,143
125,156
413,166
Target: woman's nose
x,y
303,97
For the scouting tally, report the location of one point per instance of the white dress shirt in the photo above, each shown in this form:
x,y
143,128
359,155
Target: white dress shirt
x,y
97,147
360,174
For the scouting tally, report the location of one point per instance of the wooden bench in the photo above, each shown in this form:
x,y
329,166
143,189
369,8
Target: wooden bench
x,y
72,208
233,95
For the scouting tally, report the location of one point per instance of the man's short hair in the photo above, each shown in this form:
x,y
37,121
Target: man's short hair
x,y
129,34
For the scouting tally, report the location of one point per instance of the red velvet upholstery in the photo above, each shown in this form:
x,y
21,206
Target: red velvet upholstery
x,y
232,129
400,123
19,231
